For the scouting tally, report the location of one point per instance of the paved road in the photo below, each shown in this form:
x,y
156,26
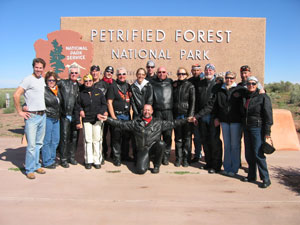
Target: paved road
x,y
115,196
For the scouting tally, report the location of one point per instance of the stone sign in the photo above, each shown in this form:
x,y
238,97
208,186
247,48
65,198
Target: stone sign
x,y
228,43
62,49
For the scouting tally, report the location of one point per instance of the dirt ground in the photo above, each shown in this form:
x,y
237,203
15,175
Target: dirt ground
x,y
11,124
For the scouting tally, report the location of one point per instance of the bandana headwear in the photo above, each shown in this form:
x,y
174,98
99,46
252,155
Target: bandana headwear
x,y
87,77
150,63
245,68
252,78
94,67
196,66
109,69
210,66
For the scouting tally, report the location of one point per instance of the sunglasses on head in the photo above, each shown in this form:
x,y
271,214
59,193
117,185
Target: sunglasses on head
x,y
251,83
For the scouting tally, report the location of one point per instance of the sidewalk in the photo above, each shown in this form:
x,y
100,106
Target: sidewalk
x,y
115,195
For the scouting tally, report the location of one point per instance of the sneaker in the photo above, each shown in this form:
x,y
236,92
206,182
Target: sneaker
x,y
30,176
40,171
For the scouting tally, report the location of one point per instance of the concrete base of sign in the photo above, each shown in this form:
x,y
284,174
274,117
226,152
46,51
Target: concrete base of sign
x,y
284,133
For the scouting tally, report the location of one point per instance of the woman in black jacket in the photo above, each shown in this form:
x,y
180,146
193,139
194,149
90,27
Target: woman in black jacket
x,y
183,107
91,103
142,93
52,135
226,111
257,121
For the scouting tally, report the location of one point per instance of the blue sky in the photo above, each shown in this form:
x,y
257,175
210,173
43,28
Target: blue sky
x,y
24,22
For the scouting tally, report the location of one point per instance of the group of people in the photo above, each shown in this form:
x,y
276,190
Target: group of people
x,y
144,113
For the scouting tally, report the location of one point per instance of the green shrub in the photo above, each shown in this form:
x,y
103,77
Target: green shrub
x,y
9,110
295,94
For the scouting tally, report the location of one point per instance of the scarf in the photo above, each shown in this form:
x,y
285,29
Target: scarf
x,y
140,86
108,80
147,120
54,90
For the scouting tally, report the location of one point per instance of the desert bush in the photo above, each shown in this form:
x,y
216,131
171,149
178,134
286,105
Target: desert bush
x,y
279,87
11,109
295,94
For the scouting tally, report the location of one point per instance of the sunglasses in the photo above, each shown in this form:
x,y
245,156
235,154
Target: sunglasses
x,y
119,74
87,81
178,74
251,83
150,67
161,71
74,72
51,80
231,78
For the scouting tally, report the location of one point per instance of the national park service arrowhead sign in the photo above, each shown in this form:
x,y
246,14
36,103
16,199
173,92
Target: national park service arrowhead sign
x,y
63,48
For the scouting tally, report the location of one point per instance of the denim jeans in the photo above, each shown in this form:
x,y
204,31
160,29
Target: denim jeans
x,y
51,141
232,134
254,155
35,132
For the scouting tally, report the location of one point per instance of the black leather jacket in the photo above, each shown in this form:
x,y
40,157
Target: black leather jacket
x,y
69,92
259,111
162,94
227,104
183,98
146,136
52,103
91,105
205,96
103,86
140,97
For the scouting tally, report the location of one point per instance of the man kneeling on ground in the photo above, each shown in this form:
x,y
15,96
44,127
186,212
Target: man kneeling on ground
x,y
147,133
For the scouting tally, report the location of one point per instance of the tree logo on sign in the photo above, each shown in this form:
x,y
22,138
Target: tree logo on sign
x,y
56,57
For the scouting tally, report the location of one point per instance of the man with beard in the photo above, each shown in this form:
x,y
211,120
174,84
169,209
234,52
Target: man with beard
x,y
209,131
